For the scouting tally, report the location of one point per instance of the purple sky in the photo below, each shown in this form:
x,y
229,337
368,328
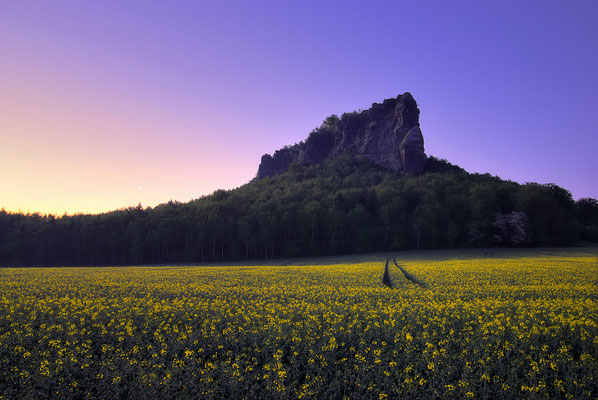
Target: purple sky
x,y
106,104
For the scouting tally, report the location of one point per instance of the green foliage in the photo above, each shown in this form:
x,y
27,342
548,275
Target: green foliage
x,y
586,211
331,122
344,205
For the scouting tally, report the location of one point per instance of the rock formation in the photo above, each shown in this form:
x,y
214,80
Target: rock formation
x,y
387,133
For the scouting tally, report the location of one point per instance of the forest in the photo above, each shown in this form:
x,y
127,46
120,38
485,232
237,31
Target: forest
x,y
345,205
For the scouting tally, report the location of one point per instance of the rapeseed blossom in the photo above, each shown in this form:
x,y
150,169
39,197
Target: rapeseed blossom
x,y
523,327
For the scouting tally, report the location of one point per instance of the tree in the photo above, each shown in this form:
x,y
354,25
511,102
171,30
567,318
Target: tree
x,y
511,228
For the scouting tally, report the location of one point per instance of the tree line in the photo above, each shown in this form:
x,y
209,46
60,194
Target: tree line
x,y
345,205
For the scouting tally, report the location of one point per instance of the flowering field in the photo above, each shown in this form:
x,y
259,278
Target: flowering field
x,y
512,325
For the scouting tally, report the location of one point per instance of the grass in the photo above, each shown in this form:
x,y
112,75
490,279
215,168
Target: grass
x,y
490,323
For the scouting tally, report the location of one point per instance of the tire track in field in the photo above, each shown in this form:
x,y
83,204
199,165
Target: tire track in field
x,y
386,277
409,276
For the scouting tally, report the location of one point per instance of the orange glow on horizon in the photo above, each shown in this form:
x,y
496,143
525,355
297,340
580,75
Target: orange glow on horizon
x,y
68,149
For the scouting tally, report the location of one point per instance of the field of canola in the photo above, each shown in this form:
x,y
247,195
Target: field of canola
x,y
522,326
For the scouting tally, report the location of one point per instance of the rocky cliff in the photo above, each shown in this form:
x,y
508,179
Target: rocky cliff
x,y
387,133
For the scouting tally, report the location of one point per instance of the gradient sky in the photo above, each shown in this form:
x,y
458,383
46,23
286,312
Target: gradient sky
x,y
105,104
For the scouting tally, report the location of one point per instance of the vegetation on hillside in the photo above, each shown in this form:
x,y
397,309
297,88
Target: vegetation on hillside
x,y
345,205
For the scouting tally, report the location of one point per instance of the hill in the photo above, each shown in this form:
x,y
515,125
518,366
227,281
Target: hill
x,y
343,205
359,183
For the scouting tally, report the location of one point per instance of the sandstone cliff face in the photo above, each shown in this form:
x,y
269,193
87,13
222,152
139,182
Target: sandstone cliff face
x,y
387,133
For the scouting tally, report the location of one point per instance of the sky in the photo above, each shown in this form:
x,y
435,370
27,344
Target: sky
x,y
108,104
